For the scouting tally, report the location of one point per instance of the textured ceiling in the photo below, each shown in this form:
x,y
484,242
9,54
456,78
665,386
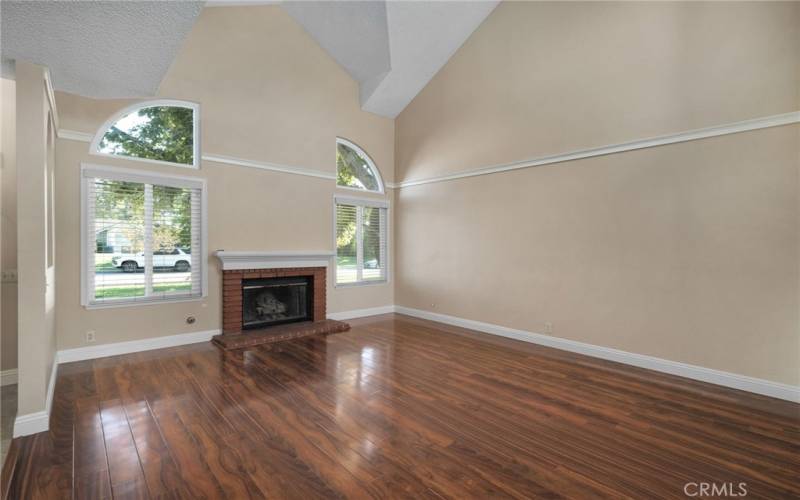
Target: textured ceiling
x,y
101,49
391,48
116,49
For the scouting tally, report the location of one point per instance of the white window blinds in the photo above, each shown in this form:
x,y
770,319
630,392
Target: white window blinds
x,y
361,247
143,237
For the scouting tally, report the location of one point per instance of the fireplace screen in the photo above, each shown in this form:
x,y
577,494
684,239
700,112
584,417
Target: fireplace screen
x,y
272,301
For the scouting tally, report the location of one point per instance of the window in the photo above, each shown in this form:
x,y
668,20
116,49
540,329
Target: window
x,y
161,131
143,235
361,249
355,169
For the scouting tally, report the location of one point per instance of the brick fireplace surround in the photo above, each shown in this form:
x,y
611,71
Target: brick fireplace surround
x,y
235,337
232,292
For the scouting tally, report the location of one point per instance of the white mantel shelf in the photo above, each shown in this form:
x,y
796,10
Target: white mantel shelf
x,y
232,260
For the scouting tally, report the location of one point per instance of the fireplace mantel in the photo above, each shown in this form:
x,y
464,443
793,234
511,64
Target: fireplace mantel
x,y
234,260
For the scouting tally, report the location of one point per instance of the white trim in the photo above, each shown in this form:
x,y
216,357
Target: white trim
x,y
39,421
33,423
689,135
232,260
727,379
370,202
94,147
51,98
115,303
361,313
74,135
368,159
275,167
364,202
148,344
91,170
8,377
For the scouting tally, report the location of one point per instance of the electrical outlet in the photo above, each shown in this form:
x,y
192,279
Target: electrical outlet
x,y
9,276
90,336
548,328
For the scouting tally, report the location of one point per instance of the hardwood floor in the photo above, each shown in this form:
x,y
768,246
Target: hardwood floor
x,y
399,407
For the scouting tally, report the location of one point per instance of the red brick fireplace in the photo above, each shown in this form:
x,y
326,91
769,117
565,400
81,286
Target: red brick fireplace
x,y
232,292
242,271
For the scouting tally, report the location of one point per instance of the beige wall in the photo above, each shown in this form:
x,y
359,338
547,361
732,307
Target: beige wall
x,y
267,93
36,289
541,78
8,225
687,252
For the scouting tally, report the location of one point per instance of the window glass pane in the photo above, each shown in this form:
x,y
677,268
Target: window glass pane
x,y
346,244
172,241
118,238
164,133
354,169
372,234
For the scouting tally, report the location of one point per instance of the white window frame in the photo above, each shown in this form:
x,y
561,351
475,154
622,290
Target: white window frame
x,y
90,171
363,154
94,147
364,202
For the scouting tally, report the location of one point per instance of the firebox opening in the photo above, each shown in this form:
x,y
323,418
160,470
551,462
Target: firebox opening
x,y
274,301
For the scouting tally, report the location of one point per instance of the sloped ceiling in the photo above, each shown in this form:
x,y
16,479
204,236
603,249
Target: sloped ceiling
x,y
391,48
98,49
123,49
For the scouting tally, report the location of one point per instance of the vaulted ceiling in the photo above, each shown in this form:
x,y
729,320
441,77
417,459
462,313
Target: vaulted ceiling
x,y
391,48
108,49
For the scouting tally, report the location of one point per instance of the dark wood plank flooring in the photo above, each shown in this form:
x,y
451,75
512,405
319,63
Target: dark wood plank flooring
x,y
399,407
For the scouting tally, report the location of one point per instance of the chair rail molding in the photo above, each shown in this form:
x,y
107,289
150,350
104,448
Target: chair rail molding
x,y
689,135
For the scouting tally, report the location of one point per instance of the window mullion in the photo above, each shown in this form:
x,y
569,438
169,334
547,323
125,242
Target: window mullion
x,y
148,240
359,243
382,234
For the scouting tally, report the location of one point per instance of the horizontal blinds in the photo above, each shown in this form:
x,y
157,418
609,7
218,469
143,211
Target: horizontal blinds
x,y
116,213
143,241
346,244
374,243
361,251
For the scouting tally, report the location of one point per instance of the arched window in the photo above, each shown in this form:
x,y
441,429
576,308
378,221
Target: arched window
x,y
355,169
162,131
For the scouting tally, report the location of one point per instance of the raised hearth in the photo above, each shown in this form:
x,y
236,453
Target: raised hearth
x,y
280,333
271,303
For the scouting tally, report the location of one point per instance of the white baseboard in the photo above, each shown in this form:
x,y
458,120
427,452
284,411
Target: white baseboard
x,y
360,313
727,379
33,423
103,350
8,377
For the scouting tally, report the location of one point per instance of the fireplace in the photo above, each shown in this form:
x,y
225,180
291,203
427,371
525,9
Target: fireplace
x,y
300,290
272,297
276,301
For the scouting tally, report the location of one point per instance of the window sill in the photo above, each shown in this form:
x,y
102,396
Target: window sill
x,y
361,283
148,302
